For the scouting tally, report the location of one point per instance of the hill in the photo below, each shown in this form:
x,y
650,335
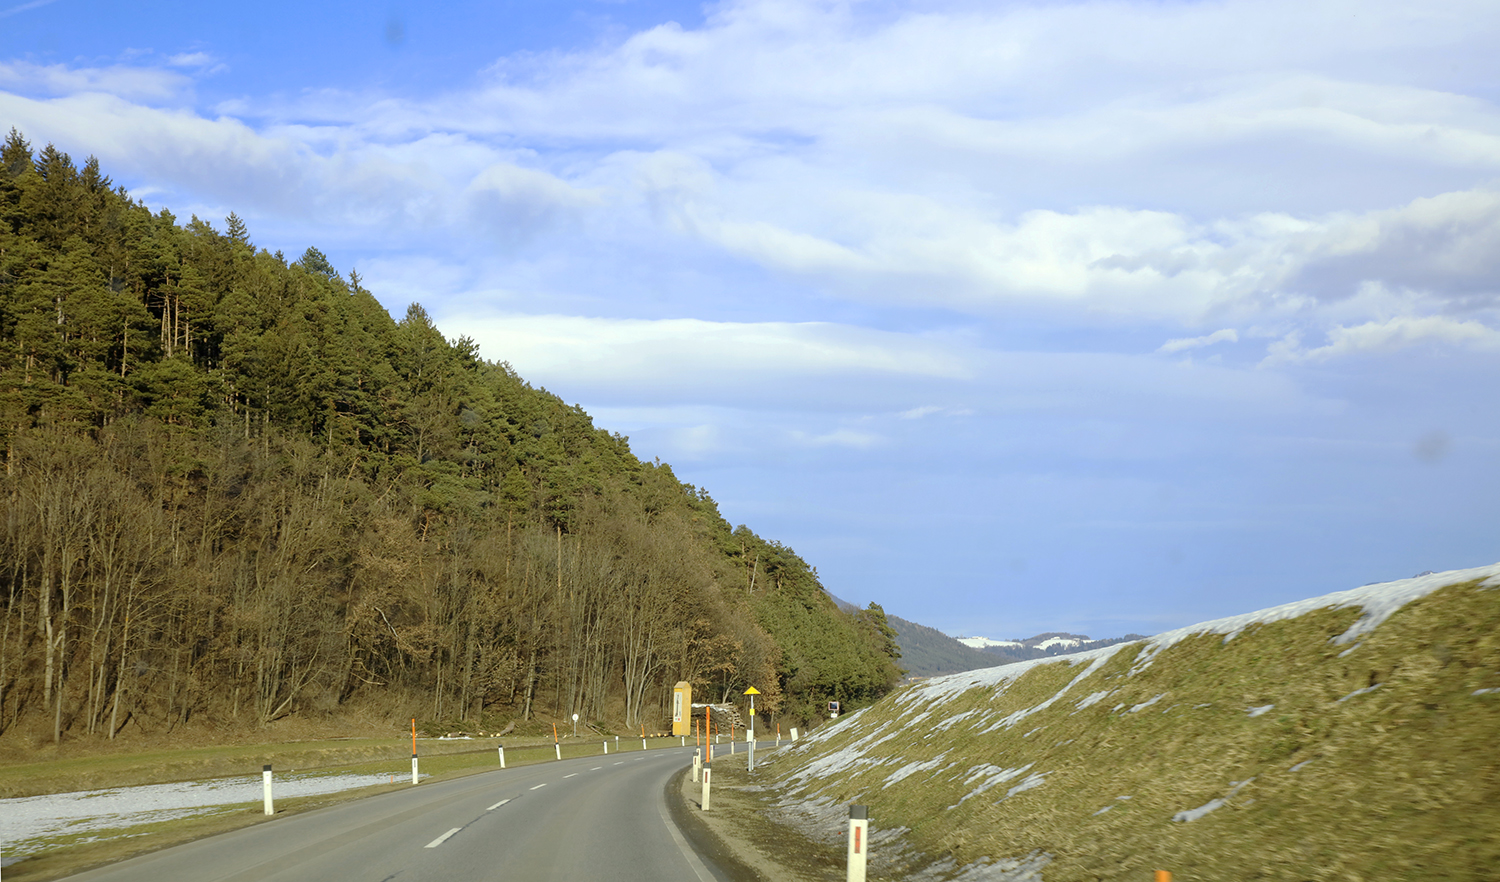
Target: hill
x,y
237,491
1348,736
928,652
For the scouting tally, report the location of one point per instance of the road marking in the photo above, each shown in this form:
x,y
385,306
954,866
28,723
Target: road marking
x,y
539,787
687,852
497,805
441,839
596,768
620,763
574,775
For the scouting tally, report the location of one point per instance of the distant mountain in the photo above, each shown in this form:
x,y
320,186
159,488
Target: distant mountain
x,y
928,652
1042,645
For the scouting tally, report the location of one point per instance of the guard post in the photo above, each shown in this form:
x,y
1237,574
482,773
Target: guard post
x,y
859,829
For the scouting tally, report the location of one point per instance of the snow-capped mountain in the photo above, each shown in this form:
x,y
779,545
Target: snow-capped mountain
x,y
1042,645
985,642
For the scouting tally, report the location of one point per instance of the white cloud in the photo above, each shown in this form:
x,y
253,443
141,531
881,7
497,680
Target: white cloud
x,y
1226,335
846,438
690,352
128,82
1377,337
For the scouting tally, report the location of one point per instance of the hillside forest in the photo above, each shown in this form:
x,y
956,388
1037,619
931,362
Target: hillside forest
x,y
236,490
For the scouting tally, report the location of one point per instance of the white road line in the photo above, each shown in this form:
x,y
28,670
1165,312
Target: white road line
x,y
539,787
687,852
620,763
497,805
574,775
596,768
441,839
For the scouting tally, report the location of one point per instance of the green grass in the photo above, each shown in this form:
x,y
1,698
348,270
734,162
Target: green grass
x,y
1399,783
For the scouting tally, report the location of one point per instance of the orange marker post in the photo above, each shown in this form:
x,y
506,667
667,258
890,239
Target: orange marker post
x,y
1163,876
708,720
414,750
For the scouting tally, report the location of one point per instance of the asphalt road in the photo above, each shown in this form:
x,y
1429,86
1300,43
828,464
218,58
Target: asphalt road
x,y
601,818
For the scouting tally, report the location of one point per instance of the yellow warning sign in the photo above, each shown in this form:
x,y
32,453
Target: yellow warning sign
x,y
752,691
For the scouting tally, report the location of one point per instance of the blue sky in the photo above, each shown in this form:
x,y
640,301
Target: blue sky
x,y
1013,317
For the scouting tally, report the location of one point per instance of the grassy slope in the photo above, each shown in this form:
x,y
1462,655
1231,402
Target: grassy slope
x,y
1401,782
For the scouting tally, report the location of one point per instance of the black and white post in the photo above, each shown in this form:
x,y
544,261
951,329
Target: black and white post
x,y
502,756
265,778
859,844
708,769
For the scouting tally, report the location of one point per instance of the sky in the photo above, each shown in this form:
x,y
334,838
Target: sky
x,y
1099,317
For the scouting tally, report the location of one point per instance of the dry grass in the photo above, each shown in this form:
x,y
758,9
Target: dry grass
x,y
1401,782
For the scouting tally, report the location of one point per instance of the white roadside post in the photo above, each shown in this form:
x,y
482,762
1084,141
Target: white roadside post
x,y
794,733
859,844
414,750
502,756
697,763
750,730
606,747
265,778
708,769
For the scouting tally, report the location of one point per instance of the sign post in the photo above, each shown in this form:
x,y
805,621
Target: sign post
x,y
750,732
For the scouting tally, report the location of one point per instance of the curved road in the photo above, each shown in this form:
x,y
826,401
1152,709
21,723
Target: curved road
x,y
600,818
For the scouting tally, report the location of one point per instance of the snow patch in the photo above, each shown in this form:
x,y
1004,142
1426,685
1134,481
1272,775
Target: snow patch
x,y
993,777
26,822
1031,782
912,768
1364,691
1200,811
1479,692
1094,699
1145,704
1378,602
1257,711
982,642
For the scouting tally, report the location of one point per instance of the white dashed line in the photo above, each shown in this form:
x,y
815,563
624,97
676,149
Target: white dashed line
x,y
574,775
596,768
497,805
620,763
539,787
441,839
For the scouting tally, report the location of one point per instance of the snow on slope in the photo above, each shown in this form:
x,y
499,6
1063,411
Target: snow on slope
x,y
982,642
1377,602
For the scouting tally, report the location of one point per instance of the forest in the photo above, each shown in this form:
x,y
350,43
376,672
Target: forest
x,y
237,490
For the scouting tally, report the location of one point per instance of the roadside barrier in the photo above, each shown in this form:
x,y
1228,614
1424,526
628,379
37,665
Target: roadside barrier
x,y
859,845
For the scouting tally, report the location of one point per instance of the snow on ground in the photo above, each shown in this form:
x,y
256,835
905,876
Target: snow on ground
x,y
982,642
27,822
1194,814
1058,641
1377,602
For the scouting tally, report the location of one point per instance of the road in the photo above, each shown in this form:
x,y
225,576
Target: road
x,y
602,818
